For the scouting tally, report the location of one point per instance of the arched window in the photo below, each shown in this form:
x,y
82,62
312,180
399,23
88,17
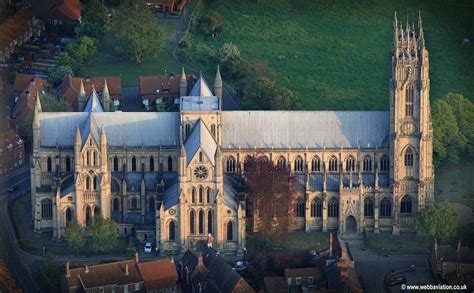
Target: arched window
x,y
384,164
230,165
88,183
368,207
350,164
409,92
94,157
333,164
88,158
385,208
46,209
152,164
409,157
193,195
316,208
316,165
263,158
213,130
94,183
134,203
191,222
201,194
116,205
281,162
187,130
298,164
134,164
171,231
367,164
88,215
68,217
406,205
200,157
230,231
333,208
151,204
208,195
209,221
170,163
68,164
115,164
201,222
300,208
49,164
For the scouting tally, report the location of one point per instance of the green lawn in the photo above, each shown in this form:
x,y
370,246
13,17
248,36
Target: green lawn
x,y
107,63
453,183
405,243
335,54
293,241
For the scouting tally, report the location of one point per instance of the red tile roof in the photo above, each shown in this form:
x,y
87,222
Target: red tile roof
x,y
159,274
168,86
26,88
9,137
15,26
69,88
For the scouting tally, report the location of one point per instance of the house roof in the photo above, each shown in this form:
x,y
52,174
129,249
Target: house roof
x,y
200,137
148,85
198,103
104,274
9,139
123,129
158,274
57,9
69,88
15,26
27,96
300,129
275,284
302,272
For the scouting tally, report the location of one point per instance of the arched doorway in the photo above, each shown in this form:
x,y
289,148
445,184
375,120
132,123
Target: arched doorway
x,y
351,225
88,215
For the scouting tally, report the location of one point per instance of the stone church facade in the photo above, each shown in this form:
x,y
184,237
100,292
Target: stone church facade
x,y
176,177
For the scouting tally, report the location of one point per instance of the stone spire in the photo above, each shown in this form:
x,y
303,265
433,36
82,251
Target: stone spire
x,y
421,36
38,103
78,140
36,123
218,83
103,136
106,97
81,97
183,84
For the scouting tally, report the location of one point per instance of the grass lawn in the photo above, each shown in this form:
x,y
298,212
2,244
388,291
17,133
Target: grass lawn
x,y
335,54
107,63
293,241
453,183
405,243
36,242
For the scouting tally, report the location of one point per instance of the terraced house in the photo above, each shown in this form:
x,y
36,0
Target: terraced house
x,y
175,176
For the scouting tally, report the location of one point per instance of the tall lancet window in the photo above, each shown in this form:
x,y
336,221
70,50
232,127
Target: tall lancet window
x,y
409,92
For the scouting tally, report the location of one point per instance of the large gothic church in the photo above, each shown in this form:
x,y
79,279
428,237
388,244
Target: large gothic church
x,y
176,177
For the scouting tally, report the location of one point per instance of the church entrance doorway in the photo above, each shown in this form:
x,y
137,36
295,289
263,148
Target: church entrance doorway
x,y
351,225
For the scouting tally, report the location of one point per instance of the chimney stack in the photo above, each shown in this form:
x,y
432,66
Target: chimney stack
x,y
458,247
86,270
68,270
330,244
126,269
171,260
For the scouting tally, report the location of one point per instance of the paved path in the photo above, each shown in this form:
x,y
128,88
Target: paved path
x,y
181,28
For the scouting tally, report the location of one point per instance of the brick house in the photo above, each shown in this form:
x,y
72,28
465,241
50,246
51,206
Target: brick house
x,y
60,16
167,5
452,264
159,275
12,151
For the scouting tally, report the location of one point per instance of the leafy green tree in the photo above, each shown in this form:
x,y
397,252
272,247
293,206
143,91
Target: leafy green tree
x,y
104,234
95,19
263,94
78,53
447,138
137,32
463,110
210,23
438,221
228,51
75,238
59,73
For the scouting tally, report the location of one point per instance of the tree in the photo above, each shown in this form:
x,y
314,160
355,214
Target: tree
x,y
59,73
438,221
78,53
48,104
75,238
137,32
95,19
235,68
227,51
211,23
263,94
272,195
104,234
452,118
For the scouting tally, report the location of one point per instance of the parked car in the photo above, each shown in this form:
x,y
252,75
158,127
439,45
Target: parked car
x,y
240,265
147,247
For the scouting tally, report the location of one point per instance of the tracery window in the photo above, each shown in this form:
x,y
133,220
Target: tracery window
x,y
46,209
134,164
409,157
333,164
409,92
384,164
385,208
172,231
350,164
300,208
333,208
316,165
191,222
368,207
367,164
281,162
406,205
298,164
230,165
316,208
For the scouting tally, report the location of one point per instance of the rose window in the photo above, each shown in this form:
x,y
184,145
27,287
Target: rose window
x,y
200,172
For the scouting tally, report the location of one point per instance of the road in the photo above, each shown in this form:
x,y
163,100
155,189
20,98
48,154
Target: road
x,y
9,250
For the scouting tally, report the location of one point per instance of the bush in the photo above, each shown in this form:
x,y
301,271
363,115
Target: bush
x,y
58,74
229,51
210,23
183,55
235,68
